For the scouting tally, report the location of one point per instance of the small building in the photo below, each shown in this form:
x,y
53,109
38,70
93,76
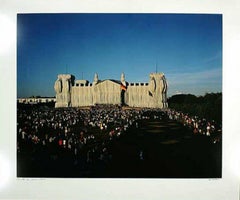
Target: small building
x,y
36,100
77,93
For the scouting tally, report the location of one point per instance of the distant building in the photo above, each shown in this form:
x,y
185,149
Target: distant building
x,y
77,93
36,100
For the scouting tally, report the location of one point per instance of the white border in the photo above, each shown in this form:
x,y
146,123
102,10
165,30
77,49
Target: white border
x,y
186,189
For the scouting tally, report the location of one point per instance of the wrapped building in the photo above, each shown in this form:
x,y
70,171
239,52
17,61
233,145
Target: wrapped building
x,y
78,93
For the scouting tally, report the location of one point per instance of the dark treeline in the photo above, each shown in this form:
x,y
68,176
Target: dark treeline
x,y
208,106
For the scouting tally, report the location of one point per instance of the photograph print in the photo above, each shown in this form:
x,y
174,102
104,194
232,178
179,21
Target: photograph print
x,y
119,95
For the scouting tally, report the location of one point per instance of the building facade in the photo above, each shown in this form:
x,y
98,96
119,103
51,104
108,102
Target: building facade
x,y
78,93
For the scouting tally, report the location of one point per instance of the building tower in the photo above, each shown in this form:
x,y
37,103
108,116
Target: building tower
x,y
62,88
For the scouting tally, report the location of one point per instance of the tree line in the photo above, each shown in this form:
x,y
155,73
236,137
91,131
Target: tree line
x,y
208,106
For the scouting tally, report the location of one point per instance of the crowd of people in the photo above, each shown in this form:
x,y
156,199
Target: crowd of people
x,y
198,125
83,137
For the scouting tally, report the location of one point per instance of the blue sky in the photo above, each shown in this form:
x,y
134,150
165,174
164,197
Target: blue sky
x,y
187,48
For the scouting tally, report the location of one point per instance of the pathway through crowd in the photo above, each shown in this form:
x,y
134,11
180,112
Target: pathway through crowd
x,y
164,149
